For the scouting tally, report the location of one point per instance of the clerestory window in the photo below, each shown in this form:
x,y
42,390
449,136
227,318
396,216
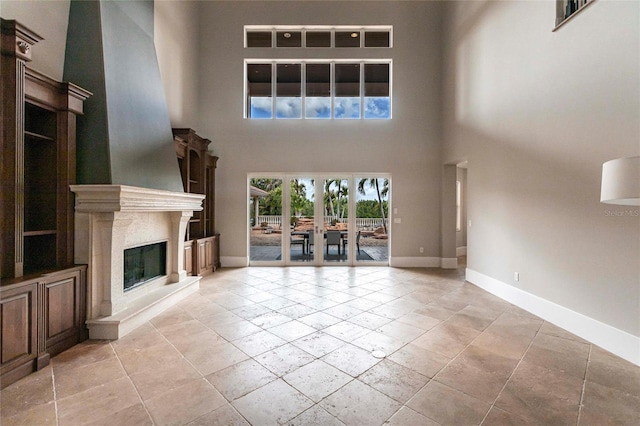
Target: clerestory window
x,y
318,36
318,89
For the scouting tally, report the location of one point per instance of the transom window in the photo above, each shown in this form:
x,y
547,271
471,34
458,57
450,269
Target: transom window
x,y
318,89
318,36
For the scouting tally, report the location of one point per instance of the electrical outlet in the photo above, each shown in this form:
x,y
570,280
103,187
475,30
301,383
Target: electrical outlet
x,y
421,249
516,276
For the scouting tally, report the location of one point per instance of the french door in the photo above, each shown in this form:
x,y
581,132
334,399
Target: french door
x,y
310,219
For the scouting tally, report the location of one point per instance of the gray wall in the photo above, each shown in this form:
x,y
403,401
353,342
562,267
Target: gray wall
x,y
49,19
536,113
408,146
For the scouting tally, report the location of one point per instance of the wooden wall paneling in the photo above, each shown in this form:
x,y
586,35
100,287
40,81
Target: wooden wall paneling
x,y
18,331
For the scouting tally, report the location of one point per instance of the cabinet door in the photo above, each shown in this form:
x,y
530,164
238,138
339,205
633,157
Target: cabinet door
x,y
63,310
18,328
188,257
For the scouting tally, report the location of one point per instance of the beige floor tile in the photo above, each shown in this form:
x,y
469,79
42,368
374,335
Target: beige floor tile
x,y
474,317
272,404
608,406
151,383
359,404
134,415
369,320
567,356
97,403
278,303
240,379
613,372
170,317
270,319
549,396
292,330
284,359
33,390
319,320
83,354
143,358
472,380
423,322
318,344
208,359
510,325
351,359
258,343
418,359
144,336
70,382
553,330
394,380
343,311
346,331
499,417
235,330
174,332
448,406
297,311
376,341
223,416
402,331
315,416
41,415
188,339
251,311
317,380
446,339
185,403
407,417
513,348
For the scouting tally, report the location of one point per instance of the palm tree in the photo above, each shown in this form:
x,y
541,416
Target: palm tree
x,y
373,183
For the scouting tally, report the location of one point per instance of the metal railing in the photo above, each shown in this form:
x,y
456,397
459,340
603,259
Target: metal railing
x,y
361,222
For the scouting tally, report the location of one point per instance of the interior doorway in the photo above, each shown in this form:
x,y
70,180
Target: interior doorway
x,y
336,219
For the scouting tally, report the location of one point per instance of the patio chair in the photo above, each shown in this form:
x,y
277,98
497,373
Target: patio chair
x,y
310,241
334,239
357,242
294,241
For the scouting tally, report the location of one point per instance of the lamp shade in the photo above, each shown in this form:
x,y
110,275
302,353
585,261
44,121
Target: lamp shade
x,y
621,181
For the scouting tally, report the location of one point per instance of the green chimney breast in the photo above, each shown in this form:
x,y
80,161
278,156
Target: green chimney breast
x,y
125,135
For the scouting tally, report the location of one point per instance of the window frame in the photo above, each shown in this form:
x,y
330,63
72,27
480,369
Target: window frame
x,y
361,30
303,78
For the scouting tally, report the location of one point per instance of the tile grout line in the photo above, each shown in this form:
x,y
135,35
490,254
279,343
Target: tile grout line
x,y
55,395
132,384
493,404
584,385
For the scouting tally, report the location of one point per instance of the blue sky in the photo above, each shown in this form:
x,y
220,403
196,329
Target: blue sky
x,y
320,107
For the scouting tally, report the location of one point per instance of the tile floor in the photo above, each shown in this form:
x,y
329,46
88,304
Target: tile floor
x,y
293,346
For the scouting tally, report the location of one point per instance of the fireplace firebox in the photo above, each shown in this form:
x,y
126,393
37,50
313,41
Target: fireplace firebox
x,y
144,263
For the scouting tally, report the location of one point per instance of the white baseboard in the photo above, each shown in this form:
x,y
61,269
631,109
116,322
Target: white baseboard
x,y
614,340
414,262
461,251
234,261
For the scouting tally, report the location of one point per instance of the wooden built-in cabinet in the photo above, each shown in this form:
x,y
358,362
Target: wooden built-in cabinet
x,y
42,292
197,167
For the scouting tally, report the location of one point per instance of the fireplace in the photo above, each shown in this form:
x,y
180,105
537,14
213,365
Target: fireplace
x,y
110,221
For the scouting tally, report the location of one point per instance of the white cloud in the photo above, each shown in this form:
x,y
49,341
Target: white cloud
x,y
289,107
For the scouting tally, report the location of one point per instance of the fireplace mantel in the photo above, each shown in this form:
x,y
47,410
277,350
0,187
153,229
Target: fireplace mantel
x,y
112,218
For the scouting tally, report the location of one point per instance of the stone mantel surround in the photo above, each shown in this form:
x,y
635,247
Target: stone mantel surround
x,y
112,218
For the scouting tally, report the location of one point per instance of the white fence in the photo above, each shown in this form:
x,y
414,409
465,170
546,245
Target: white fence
x,y
361,222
